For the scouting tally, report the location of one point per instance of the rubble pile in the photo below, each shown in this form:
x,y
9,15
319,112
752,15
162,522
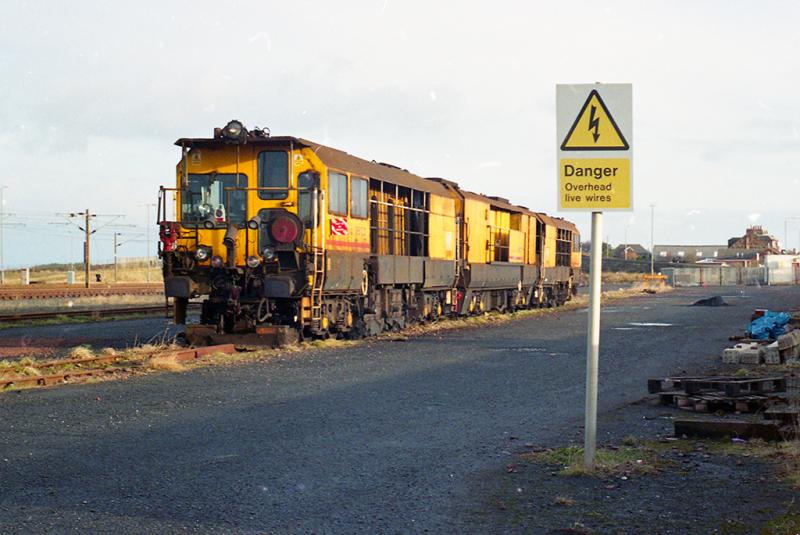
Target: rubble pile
x,y
771,338
744,405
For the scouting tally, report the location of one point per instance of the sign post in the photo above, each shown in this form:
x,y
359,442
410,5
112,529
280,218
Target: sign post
x,y
594,124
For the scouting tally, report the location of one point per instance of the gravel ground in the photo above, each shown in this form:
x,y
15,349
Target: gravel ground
x,y
696,492
54,340
384,437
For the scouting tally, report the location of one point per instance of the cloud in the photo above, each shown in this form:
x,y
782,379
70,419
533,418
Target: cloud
x,y
94,94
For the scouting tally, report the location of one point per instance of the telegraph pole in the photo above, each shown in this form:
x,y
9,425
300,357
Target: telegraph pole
x,y
86,256
87,232
786,232
115,254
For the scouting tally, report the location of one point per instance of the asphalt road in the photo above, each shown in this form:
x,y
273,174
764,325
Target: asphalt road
x,y
386,437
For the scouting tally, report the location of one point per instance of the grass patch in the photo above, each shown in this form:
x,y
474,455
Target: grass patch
x,y
609,460
166,363
621,276
783,524
330,343
785,455
23,366
80,352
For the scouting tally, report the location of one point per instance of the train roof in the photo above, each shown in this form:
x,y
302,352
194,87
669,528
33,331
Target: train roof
x,y
343,161
337,159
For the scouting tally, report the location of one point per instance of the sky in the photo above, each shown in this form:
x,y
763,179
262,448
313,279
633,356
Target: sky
x,y
93,95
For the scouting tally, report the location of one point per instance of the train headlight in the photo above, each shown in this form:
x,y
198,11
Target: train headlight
x,y
253,261
202,253
216,261
234,131
268,253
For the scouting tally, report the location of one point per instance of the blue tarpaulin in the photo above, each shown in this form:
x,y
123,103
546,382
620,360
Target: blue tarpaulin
x,y
770,325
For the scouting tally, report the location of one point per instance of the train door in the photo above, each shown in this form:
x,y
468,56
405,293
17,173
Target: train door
x,y
540,229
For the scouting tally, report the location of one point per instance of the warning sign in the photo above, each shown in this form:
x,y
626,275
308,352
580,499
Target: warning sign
x,y
594,128
595,183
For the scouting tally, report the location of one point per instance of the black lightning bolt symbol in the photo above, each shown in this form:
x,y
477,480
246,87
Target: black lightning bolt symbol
x,y
594,124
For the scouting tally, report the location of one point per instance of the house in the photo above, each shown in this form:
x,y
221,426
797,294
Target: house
x,y
756,239
631,251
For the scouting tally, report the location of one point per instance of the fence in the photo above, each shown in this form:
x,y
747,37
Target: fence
x,y
716,276
783,269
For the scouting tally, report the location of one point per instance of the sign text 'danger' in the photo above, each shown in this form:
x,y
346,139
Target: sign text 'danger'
x,y
595,183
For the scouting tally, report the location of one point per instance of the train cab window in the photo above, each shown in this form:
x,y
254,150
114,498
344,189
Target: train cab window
x,y
207,201
306,182
358,197
337,188
273,172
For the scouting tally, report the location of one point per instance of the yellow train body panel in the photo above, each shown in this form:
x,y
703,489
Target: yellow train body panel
x,y
477,235
549,253
516,246
442,228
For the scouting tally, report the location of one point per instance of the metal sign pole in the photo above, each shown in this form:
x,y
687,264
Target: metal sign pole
x,y
593,341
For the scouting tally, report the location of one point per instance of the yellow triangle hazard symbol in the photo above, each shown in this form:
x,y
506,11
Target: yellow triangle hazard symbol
x,y
594,128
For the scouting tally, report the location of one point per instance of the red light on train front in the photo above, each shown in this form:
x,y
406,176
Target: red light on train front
x,y
284,230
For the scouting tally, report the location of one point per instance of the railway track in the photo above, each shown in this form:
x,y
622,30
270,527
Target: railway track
x,y
57,291
92,313
65,370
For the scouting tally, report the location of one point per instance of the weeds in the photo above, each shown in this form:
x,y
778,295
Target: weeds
x,y
80,352
166,363
783,524
609,461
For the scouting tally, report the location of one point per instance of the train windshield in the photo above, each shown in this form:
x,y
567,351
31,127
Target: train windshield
x,y
206,200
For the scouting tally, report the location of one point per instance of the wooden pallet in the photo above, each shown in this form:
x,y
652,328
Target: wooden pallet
x,y
713,401
726,427
654,386
732,386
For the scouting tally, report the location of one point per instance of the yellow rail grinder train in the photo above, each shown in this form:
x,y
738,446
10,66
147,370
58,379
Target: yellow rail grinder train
x,y
281,234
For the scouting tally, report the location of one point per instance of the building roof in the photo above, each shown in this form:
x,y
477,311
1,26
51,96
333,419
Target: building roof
x,y
693,253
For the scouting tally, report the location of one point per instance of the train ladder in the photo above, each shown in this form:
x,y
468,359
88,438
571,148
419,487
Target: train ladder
x,y
316,287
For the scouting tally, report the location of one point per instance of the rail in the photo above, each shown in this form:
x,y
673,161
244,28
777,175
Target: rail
x,y
92,313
